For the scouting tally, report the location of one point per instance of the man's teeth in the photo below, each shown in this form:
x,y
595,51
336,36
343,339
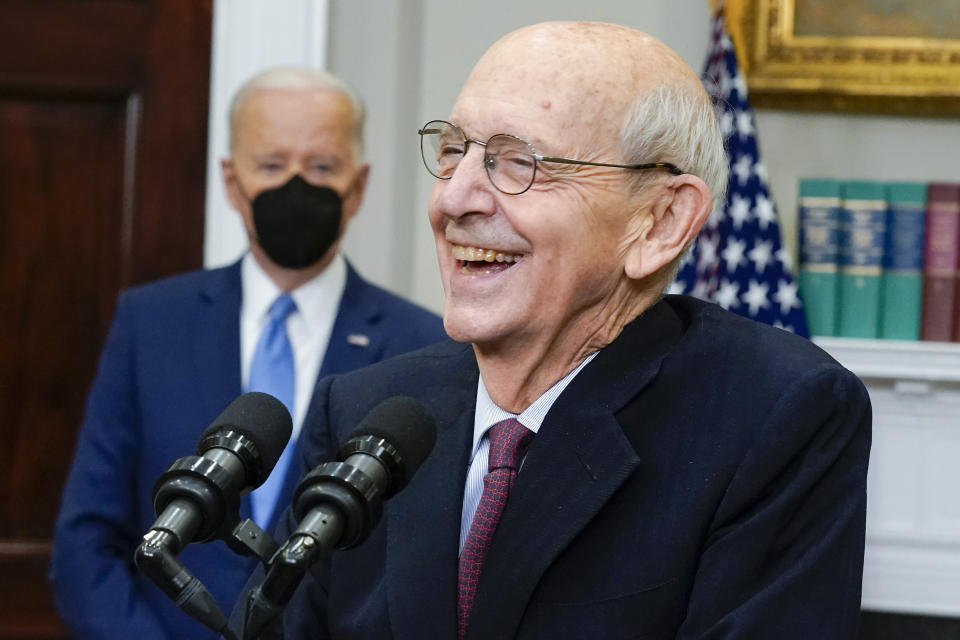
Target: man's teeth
x,y
475,254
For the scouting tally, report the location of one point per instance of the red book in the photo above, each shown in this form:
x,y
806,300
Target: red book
x,y
941,262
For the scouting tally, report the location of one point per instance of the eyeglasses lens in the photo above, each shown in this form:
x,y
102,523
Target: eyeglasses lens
x,y
442,146
509,162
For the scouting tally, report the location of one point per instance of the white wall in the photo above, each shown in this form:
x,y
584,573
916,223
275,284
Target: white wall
x,y
408,60
375,45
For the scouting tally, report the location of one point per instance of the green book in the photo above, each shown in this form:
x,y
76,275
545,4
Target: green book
x,y
819,249
863,223
901,292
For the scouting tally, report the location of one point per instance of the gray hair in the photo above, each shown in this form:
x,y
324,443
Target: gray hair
x,y
301,79
672,123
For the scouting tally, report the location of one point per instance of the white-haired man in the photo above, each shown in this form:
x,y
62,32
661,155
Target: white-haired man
x,y
692,474
291,311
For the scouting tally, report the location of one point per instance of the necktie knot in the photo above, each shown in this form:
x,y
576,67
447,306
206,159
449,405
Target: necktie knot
x,y
283,306
508,443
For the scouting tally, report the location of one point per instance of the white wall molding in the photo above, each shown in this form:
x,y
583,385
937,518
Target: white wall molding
x,y
894,359
911,578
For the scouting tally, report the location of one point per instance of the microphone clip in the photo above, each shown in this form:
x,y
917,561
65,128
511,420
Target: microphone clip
x,y
248,539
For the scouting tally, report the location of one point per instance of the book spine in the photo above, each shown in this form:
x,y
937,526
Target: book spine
x,y
819,226
901,296
956,307
862,235
940,264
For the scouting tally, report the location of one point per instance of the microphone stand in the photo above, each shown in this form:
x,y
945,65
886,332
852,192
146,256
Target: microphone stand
x,y
337,504
189,482
157,558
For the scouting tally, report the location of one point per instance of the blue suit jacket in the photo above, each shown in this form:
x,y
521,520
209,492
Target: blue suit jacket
x,y
703,477
170,365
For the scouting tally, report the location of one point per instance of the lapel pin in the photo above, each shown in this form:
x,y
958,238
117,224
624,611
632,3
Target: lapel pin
x,y
358,340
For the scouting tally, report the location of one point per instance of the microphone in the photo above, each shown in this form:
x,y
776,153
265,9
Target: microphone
x,y
198,497
338,503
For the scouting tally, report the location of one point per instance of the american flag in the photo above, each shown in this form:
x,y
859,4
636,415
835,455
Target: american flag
x,y
738,260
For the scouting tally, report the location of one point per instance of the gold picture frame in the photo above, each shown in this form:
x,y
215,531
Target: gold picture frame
x,y
892,74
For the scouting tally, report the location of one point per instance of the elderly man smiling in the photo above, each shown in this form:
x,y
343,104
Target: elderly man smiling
x,y
685,473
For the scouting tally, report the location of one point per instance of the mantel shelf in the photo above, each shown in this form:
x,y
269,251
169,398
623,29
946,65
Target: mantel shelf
x,y
896,360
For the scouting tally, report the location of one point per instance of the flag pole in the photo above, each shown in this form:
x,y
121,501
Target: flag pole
x,y
734,11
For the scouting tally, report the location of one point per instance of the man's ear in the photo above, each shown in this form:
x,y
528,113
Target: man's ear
x,y
668,225
230,184
356,192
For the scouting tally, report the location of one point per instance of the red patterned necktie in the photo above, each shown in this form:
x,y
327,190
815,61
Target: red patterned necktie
x,y
508,442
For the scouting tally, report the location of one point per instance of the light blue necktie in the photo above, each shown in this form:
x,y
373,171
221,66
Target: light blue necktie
x,y
272,371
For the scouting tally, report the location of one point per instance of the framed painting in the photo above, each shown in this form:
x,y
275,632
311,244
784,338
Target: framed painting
x,y
877,56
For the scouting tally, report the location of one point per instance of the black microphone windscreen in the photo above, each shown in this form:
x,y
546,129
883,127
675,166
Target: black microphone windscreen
x,y
407,425
263,419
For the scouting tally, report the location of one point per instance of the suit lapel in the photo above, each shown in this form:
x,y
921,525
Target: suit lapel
x,y
217,344
217,339
423,520
355,342
578,460
357,337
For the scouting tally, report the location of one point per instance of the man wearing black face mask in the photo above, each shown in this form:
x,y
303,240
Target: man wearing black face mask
x,y
290,311
297,222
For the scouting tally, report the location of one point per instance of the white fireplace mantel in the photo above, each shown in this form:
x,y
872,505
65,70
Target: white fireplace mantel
x,y
912,560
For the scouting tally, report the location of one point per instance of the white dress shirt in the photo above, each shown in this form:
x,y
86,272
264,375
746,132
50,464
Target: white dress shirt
x,y
308,327
488,414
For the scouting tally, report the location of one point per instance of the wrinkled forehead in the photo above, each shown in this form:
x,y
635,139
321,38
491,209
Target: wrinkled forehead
x,y
316,105
296,118
572,76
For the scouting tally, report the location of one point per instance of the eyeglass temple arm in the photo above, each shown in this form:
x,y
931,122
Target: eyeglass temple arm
x,y
672,168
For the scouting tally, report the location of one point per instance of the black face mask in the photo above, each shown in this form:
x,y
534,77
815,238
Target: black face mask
x,y
297,222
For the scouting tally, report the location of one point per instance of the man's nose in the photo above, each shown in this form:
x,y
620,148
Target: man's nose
x,y
469,189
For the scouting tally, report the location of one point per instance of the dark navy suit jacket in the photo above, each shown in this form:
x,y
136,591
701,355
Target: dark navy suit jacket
x,y
703,477
170,365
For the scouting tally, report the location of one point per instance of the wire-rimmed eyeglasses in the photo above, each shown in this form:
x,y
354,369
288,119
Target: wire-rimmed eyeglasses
x,y
510,162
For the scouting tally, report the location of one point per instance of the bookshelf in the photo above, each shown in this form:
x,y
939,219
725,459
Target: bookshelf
x,y
912,557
